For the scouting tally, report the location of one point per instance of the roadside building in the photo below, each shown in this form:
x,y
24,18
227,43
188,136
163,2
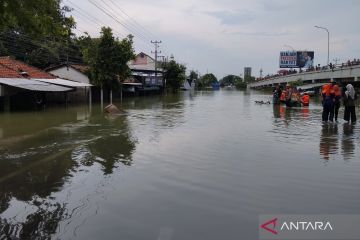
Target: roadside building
x,y
76,73
143,72
247,72
26,87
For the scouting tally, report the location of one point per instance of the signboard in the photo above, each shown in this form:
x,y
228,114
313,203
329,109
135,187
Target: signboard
x,y
296,59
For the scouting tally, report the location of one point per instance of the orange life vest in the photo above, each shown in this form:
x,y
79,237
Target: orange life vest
x,y
305,99
337,91
328,89
283,96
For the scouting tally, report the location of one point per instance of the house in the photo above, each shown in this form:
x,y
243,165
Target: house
x,y
73,72
24,86
143,71
76,73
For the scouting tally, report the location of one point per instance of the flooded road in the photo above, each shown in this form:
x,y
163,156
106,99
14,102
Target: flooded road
x,y
189,166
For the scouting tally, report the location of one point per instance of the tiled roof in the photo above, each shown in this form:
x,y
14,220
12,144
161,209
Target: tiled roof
x,y
10,68
6,72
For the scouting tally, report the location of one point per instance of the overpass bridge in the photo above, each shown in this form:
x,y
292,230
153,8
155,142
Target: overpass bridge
x,y
341,75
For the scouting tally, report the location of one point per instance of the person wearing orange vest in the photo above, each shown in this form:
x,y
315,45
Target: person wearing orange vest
x,y
305,99
283,96
328,100
337,92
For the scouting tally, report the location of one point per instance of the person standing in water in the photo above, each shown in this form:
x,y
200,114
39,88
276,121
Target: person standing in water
x,y
337,104
349,103
276,95
328,100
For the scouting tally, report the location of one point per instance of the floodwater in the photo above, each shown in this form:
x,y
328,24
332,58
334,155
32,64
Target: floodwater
x,y
190,166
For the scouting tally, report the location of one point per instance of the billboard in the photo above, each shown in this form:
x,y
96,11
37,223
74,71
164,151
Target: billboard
x,y
296,59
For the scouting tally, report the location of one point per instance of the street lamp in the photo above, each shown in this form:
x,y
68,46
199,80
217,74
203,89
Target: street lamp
x,y
328,41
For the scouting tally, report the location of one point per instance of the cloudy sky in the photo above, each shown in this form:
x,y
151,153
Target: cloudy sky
x,y
225,36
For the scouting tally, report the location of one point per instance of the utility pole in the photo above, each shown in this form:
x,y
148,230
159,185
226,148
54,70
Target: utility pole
x,y
156,45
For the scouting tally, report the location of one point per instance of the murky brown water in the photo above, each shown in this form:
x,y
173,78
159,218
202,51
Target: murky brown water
x,y
189,166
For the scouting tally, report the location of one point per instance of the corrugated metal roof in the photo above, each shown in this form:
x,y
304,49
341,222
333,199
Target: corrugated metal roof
x,y
33,85
63,82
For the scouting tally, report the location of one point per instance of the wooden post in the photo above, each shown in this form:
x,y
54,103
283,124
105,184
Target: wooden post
x,y
111,96
102,98
90,99
121,93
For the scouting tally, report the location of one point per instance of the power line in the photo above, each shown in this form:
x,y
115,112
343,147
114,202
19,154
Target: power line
x,y
89,18
112,10
113,17
135,23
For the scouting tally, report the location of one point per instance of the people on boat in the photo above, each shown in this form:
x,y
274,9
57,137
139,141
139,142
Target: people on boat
x,y
349,103
328,100
277,94
293,97
337,92
305,99
296,97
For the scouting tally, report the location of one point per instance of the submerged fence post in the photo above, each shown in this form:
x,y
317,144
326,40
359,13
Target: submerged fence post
x,y
111,97
102,98
90,99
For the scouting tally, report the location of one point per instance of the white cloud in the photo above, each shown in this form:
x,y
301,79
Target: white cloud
x,y
225,36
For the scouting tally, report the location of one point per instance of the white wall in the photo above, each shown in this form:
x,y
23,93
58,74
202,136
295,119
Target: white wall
x,y
70,74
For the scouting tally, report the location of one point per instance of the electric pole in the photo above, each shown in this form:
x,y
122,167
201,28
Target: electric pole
x,y
156,44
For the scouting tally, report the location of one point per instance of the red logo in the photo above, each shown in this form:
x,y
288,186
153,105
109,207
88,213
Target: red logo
x,y
272,224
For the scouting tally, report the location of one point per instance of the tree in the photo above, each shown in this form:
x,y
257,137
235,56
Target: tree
x,y
207,80
234,81
174,73
36,18
108,60
194,76
249,79
230,80
37,32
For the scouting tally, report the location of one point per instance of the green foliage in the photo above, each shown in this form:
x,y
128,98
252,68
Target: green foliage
x,y
206,80
36,18
241,85
108,59
230,80
234,81
194,76
249,79
174,73
37,32
38,52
